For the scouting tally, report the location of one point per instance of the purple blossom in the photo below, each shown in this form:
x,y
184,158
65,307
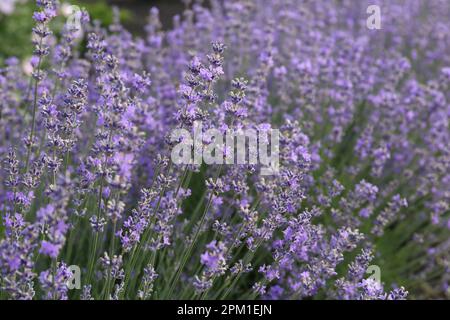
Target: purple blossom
x,y
87,177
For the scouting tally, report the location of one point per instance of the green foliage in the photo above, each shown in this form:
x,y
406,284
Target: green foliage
x,y
100,10
15,29
15,33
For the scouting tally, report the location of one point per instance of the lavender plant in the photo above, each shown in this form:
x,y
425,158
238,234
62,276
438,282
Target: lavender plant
x,y
88,180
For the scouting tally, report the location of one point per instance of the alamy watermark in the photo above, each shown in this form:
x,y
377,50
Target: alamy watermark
x,y
74,282
74,16
375,273
240,146
373,22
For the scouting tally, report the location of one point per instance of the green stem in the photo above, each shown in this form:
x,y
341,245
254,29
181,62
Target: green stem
x,y
33,122
187,254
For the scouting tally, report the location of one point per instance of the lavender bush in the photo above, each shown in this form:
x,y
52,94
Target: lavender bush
x,y
88,181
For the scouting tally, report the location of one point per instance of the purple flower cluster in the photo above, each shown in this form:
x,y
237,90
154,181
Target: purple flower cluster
x,y
363,184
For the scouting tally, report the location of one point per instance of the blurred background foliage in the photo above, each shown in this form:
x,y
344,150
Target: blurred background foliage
x,y
16,22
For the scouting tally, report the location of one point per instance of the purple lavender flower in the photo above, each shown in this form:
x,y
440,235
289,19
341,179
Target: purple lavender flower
x,y
363,119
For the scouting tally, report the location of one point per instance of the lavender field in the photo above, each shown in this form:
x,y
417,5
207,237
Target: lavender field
x,y
246,149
